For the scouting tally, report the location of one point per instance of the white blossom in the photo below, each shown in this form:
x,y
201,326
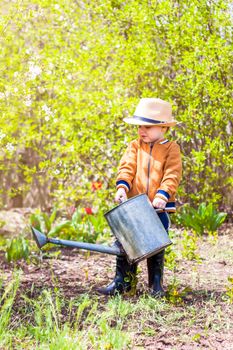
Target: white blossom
x,y
56,172
48,112
28,101
10,147
2,135
34,70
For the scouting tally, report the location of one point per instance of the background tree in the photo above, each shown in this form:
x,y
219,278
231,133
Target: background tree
x,y
70,72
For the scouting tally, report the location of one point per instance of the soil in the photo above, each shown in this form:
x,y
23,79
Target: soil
x,y
77,272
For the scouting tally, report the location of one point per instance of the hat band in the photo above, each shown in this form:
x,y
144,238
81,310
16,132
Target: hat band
x,y
152,121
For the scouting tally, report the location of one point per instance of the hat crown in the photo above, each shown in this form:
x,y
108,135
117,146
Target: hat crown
x,y
154,108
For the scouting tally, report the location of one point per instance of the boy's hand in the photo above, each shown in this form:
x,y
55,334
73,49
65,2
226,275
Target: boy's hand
x,y
159,203
121,195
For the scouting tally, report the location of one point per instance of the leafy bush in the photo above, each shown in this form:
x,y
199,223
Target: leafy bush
x,y
63,96
204,219
83,225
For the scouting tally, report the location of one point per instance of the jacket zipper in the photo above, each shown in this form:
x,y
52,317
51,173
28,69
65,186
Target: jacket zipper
x,y
148,169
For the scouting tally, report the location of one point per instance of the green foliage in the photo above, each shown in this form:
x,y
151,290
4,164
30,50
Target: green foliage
x,y
81,226
6,303
48,319
42,221
85,327
229,291
70,71
17,248
175,294
204,219
133,279
189,243
170,258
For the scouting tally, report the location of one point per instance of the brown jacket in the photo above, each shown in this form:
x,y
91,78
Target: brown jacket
x,y
152,168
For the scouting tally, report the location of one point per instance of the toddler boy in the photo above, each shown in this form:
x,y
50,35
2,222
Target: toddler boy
x,y
151,164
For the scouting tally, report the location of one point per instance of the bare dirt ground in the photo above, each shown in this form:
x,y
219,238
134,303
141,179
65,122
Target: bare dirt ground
x,y
203,320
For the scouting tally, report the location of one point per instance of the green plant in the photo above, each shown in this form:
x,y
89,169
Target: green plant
x,y
189,243
133,279
17,248
175,294
68,228
170,258
204,219
81,226
229,291
42,221
6,304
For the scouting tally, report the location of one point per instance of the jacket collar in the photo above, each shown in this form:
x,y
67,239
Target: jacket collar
x,y
163,141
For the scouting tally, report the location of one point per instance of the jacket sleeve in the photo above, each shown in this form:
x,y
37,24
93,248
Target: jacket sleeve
x,y
172,174
127,167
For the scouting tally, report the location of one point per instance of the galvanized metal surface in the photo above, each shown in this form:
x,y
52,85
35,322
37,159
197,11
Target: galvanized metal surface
x,y
138,228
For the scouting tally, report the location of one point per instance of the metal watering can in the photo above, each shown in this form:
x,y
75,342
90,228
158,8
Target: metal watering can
x,y
136,226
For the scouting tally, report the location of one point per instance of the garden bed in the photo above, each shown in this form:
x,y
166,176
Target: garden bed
x,y
197,313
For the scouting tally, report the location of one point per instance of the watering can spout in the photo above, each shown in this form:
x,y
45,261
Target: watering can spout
x,y
41,240
39,237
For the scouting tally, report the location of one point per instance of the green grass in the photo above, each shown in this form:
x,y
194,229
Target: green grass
x,y
46,318
51,321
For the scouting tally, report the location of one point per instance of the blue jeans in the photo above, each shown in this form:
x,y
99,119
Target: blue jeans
x,y
165,219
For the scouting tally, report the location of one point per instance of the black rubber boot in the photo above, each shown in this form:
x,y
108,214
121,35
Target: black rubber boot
x,y
122,282
155,266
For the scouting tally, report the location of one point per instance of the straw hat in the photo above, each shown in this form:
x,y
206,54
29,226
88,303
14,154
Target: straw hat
x,y
152,111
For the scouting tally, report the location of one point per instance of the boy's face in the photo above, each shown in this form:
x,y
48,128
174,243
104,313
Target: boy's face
x,y
151,133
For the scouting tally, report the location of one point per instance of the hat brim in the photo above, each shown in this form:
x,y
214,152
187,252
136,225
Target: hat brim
x,y
134,121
